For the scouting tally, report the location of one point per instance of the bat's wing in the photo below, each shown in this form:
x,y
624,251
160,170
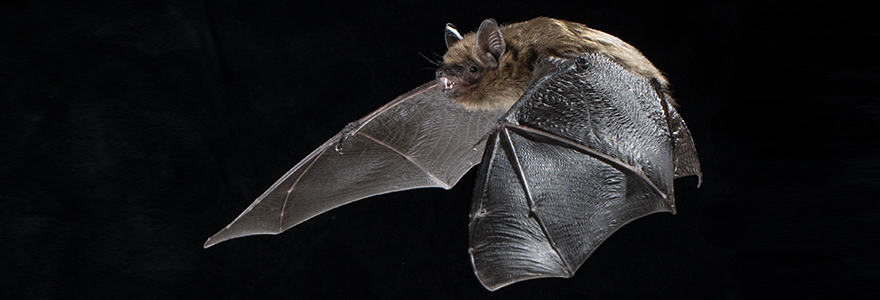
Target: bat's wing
x,y
587,149
421,139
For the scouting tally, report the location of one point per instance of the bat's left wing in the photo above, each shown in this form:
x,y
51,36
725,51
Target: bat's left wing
x,y
589,148
421,139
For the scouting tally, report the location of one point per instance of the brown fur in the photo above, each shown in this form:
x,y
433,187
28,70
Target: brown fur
x,y
533,40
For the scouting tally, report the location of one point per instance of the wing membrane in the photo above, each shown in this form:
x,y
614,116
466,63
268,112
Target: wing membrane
x,y
589,148
421,139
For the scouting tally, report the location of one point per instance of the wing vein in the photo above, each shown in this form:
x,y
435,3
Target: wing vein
x,y
408,158
531,201
295,182
620,165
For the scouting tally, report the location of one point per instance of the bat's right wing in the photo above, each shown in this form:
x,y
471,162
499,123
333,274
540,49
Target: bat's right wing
x,y
421,139
588,148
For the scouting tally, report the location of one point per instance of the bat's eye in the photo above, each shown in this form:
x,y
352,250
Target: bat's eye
x,y
473,69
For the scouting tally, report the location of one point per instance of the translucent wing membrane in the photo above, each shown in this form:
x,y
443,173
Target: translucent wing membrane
x,y
421,139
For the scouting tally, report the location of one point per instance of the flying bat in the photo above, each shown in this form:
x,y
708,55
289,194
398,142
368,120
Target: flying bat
x,y
575,130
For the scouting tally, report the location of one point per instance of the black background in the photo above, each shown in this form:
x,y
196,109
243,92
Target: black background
x,y
132,132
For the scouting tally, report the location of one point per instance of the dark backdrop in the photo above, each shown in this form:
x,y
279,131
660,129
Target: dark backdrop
x,y
132,132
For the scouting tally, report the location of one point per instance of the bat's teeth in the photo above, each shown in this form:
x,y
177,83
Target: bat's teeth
x,y
447,84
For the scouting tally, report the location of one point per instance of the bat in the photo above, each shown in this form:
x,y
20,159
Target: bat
x,y
575,130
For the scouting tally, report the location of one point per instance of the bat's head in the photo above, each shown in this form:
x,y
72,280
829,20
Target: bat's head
x,y
469,59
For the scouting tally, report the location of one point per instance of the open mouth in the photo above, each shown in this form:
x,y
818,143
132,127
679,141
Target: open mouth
x,y
447,84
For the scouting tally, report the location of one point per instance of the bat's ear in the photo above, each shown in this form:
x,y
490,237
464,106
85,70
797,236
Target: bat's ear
x,y
452,35
489,44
